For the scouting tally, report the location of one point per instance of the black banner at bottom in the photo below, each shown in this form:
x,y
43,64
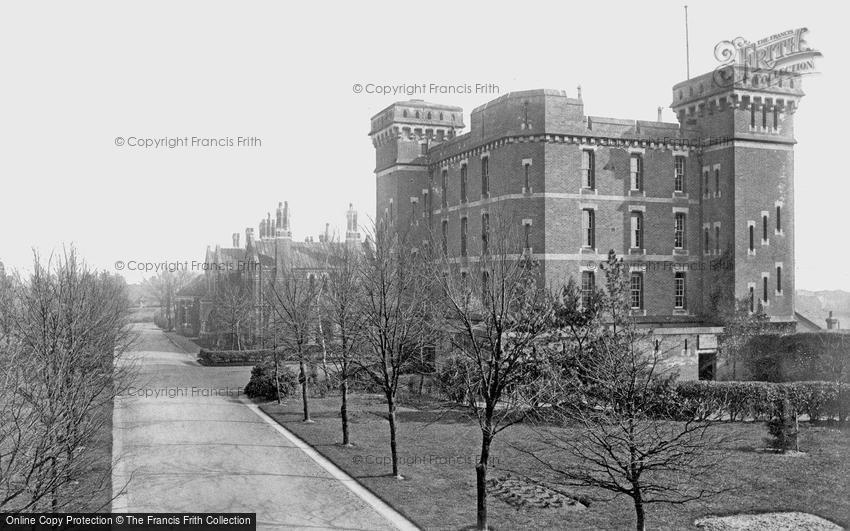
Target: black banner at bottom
x,y
129,521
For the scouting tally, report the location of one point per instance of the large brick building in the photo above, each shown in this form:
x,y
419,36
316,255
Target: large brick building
x,y
701,210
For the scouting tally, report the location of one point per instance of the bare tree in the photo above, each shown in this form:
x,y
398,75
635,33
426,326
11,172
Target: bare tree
x,y
621,435
496,317
70,325
232,311
163,288
293,302
341,299
395,297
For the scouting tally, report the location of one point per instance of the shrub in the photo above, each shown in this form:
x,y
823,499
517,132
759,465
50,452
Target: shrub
x,y
756,400
451,379
783,427
235,357
262,384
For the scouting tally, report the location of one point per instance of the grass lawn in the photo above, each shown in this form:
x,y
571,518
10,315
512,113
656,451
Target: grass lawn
x,y
438,451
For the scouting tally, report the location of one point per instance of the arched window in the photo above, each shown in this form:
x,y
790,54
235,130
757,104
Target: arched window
x,y
404,113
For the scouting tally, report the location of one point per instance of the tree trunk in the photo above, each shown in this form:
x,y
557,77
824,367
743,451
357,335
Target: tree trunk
x,y
276,376
393,442
303,374
640,522
343,410
481,480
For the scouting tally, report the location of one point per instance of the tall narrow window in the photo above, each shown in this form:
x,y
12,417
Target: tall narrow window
x,y
636,171
679,290
463,226
716,181
679,231
764,228
679,173
485,232
463,183
445,188
764,116
764,288
778,218
636,291
778,279
588,225
588,285
637,230
527,185
485,283
527,231
716,239
485,177
752,238
707,237
775,117
705,182
752,299
752,115
445,236
588,169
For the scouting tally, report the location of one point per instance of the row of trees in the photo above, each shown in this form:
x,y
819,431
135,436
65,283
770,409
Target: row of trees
x,y
62,329
521,352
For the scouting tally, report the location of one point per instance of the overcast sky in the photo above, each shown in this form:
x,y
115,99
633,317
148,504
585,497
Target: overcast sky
x,y
77,75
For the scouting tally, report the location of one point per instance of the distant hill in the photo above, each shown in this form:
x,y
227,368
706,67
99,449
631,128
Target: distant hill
x,y
816,305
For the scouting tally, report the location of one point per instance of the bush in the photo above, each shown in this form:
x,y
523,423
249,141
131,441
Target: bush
x,y
809,356
783,428
235,357
451,379
262,384
757,400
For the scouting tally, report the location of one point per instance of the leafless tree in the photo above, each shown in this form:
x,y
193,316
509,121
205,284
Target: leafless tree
x,y
232,311
163,288
620,434
292,297
70,324
496,318
396,293
341,298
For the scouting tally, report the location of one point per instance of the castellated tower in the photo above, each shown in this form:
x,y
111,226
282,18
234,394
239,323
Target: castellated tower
x,y
746,183
402,134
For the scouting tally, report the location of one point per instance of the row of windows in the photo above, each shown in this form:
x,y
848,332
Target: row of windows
x,y
636,289
765,284
588,225
588,169
428,115
485,235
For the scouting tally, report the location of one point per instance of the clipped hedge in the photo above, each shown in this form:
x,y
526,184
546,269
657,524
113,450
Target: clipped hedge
x,y
762,400
234,357
250,357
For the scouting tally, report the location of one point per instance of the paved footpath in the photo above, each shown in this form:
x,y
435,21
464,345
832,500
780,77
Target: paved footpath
x,y
193,450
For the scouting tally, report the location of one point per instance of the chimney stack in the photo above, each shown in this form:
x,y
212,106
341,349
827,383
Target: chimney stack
x,y
659,114
832,323
351,234
282,229
236,240
249,235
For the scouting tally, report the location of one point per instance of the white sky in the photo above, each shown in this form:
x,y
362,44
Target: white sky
x,y
76,75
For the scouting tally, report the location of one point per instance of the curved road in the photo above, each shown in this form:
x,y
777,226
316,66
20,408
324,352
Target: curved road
x,y
183,441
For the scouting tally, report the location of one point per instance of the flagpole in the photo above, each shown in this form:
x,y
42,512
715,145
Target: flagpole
x,y
687,46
